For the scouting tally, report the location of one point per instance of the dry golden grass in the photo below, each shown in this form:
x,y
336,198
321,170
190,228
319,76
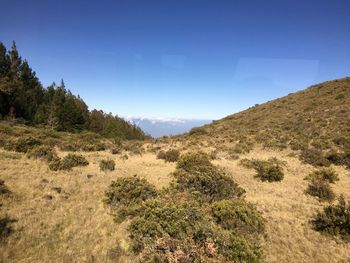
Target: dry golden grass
x,y
288,210
75,226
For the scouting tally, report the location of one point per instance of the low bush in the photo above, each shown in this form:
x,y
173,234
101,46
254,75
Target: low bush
x,y
68,162
22,144
129,190
334,219
5,227
340,158
171,155
237,216
321,189
3,188
42,152
314,157
107,165
195,173
11,155
325,174
268,171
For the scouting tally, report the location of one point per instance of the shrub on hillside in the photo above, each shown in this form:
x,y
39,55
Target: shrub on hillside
x,y
129,190
3,188
195,173
270,170
237,216
171,155
42,152
22,144
340,158
68,162
334,219
324,174
314,157
107,165
321,189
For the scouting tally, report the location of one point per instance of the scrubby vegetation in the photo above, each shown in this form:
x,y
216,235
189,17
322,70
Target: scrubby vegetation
x,y
107,165
68,162
270,170
42,152
310,120
201,217
171,155
321,189
324,174
3,188
334,219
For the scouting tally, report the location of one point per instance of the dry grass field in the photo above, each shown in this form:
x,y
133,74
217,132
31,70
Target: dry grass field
x,y
60,216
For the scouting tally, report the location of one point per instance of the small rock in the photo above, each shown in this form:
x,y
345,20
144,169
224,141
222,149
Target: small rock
x,y
48,197
57,189
89,176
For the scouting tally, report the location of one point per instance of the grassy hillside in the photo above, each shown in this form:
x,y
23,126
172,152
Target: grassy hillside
x,y
316,117
247,188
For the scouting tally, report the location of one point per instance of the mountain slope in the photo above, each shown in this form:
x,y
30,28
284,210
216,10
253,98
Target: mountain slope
x,y
318,116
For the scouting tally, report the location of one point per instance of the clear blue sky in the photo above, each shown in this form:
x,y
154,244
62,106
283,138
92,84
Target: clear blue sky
x,y
180,58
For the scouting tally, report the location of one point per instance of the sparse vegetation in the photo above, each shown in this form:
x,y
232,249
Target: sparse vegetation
x,y
334,219
314,157
171,155
324,174
42,152
320,188
68,162
107,165
270,170
3,188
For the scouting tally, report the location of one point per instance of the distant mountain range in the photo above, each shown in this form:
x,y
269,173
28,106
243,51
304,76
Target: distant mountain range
x,y
158,127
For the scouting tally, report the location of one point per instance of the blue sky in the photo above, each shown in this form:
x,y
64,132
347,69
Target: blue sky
x,y
185,58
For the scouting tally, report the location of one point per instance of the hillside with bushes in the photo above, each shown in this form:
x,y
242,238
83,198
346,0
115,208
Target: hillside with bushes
x,y
23,99
317,117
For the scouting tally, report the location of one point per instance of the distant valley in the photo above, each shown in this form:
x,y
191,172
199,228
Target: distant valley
x,y
158,127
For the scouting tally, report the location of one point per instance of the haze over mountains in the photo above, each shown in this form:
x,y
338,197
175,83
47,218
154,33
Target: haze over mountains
x,y
158,127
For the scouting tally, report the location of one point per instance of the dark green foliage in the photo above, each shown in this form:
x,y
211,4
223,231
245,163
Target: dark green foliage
x,y
314,157
171,155
270,170
321,189
342,158
238,249
42,152
195,173
324,174
237,216
68,162
23,98
3,188
5,227
334,219
22,144
129,190
182,221
107,165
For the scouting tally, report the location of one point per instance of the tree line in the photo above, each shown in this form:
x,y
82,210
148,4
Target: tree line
x,y
22,97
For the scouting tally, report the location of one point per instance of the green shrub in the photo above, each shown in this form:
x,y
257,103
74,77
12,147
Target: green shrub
x,y
68,162
129,190
320,189
268,171
5,227
340,158
171,155
238,249
194,161
181,221
314,157
325,174
22,144
107,165
195,173
237,216
42,152
334,219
